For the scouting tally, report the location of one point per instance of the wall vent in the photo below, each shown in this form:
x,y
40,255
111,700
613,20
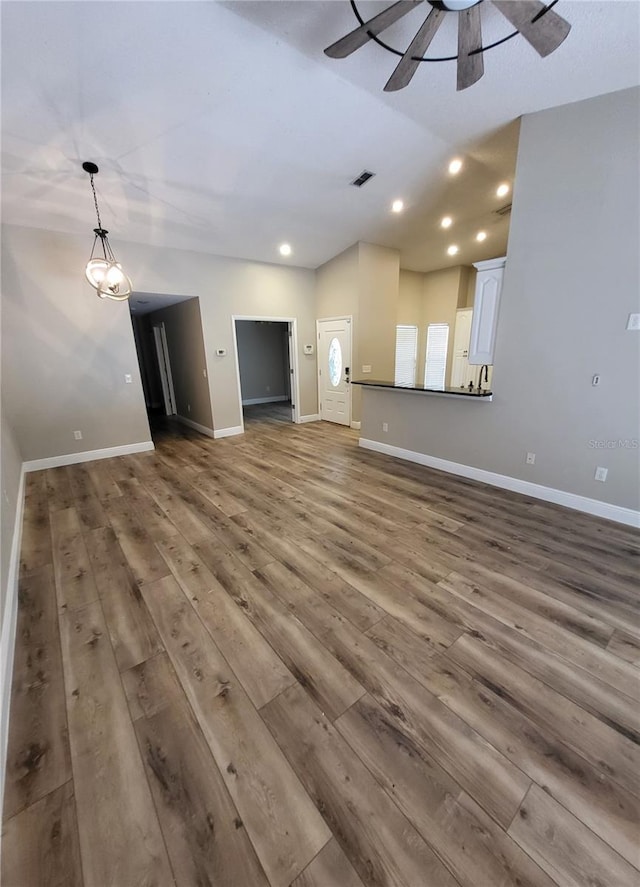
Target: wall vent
x,y
504,210
364,177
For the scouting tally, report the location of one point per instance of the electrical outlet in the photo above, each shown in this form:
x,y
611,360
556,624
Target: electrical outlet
x,y
128,378
77,435
366,368
385,426
531,458
601,474
188,407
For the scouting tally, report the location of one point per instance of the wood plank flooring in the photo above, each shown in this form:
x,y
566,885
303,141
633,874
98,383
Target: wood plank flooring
x,y
278,660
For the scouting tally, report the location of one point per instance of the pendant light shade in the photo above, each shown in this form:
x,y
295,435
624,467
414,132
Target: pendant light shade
x,y
103,272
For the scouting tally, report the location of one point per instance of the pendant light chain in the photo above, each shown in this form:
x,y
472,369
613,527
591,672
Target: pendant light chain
x,y
95,200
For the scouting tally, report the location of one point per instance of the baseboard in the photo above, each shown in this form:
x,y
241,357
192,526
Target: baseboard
x,y
8,635
88,456
356,425
315,417
201,428
527,488
251,401
228,432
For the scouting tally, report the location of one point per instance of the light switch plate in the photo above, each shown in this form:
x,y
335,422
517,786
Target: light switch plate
x,y
601,474
128,378
633,323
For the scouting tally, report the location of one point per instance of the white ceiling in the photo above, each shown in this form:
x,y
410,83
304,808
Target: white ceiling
x,y
222,127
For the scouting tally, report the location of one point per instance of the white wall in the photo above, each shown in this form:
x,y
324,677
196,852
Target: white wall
x,y
572,277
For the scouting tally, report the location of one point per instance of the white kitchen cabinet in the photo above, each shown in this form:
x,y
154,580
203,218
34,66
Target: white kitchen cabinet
x,y
486,307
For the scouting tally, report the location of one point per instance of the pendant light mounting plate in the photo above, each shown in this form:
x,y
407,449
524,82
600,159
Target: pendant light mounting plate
x,y
90,167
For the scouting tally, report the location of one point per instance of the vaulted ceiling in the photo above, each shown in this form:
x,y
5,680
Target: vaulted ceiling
x,y
222,127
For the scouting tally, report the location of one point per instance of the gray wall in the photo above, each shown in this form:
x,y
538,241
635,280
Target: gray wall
x,y
363,282
262,353
571,279
226,287
183,328
67,351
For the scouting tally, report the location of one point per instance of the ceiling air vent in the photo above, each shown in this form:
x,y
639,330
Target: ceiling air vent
x,y
504,210
364,176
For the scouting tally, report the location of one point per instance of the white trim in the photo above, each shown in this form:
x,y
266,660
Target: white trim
x,y
315,417
251,401
537,491
201,428
8,637
88,456
490,264
356,425
164,367
228,432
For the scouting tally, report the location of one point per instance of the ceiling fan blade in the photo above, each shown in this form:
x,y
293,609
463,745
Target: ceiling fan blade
x,y
408,65
357,38
545,34
470,67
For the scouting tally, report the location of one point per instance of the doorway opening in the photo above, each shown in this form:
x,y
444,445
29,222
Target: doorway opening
x,y
267,368
170,346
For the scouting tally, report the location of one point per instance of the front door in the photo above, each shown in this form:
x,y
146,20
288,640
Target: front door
x,y
334,370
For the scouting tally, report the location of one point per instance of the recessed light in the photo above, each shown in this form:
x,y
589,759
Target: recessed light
x,y
452,250
285,249
455,166
481,235
446,222
397,206
502,190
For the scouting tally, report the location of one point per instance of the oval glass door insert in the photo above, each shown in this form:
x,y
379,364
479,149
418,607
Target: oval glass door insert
x,y
335,362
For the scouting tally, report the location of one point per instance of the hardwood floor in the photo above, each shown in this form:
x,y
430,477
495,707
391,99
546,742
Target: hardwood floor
x,y
278,660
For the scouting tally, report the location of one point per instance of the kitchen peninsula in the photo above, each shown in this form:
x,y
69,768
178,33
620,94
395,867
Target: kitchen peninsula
x,y
460,393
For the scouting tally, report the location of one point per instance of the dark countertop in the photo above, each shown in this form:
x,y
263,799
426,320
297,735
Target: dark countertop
x,y
463,392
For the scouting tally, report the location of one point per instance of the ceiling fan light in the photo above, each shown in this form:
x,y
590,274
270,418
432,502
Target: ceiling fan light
x,y
453,5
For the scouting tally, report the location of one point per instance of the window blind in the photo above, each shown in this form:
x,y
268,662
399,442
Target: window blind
x,y
406,353
436,359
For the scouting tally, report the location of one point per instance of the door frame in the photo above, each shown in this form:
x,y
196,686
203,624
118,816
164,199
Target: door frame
x,y
293,360
164,365
319,320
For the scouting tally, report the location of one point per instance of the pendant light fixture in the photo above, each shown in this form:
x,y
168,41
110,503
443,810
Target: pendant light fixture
x,y
102,271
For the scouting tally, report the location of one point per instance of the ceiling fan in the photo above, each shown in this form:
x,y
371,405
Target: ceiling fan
x,y
542,28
